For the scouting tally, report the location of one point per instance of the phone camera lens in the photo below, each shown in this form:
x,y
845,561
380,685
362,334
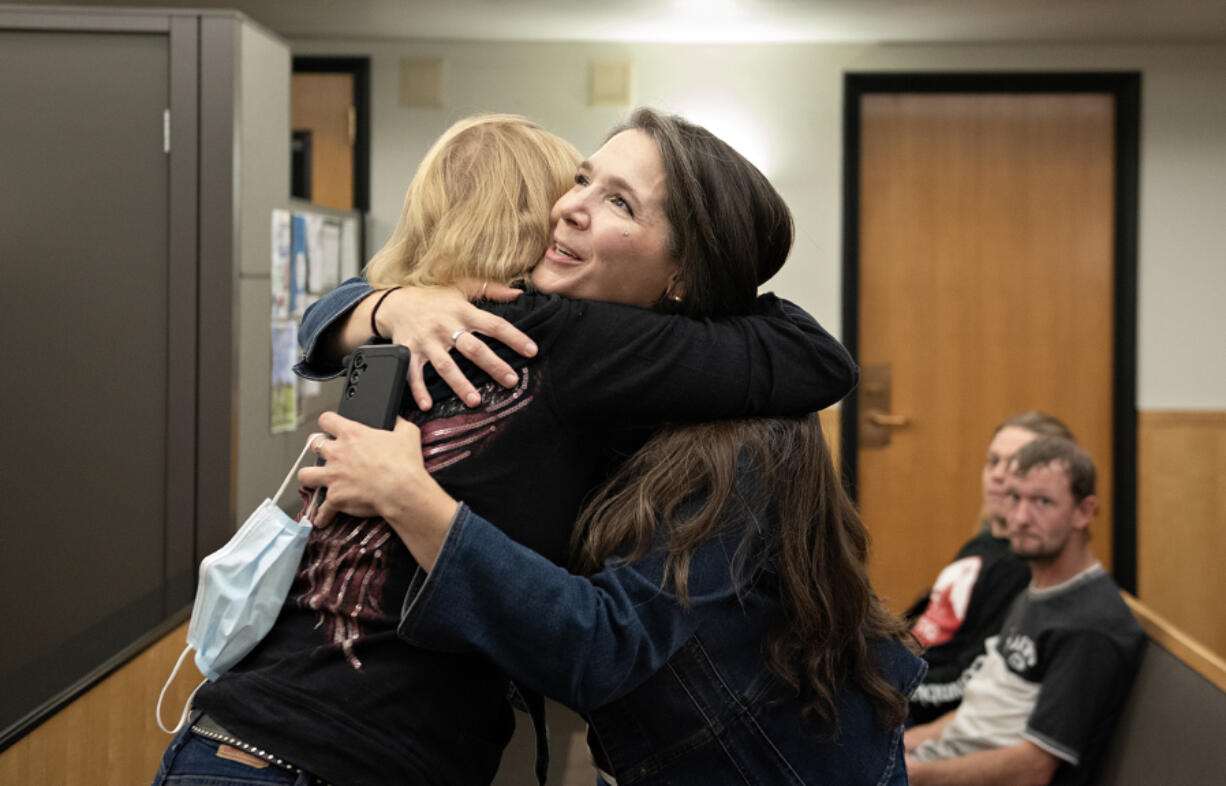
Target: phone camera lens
x,y
357,373
359,359
351,391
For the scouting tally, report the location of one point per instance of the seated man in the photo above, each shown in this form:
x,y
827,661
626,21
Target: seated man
x,y
969,599
1042,706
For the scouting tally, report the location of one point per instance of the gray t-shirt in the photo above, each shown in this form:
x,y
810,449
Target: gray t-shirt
x,y
1057,676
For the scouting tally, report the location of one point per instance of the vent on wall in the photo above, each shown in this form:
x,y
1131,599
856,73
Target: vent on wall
x,y
611,83
421,81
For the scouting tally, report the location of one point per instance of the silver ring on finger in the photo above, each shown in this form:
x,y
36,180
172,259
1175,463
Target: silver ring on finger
x,y
456,336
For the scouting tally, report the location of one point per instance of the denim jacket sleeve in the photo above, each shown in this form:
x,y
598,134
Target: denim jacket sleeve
x,y
582,641
320,316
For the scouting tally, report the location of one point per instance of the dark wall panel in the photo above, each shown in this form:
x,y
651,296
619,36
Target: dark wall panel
x,y
83,455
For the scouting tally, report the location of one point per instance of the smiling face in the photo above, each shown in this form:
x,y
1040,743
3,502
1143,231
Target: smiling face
x,y
611,233
1004,444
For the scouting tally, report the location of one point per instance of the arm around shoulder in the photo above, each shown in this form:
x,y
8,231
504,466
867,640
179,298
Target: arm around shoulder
x,y
626,364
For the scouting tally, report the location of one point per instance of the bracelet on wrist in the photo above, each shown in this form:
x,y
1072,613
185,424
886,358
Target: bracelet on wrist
x,y
374,329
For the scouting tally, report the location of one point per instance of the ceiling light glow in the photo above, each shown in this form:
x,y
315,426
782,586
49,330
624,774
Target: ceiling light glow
x,y
705,9
735,124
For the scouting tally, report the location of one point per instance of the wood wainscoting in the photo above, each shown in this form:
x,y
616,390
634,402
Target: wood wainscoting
x,y
109,734
1181,521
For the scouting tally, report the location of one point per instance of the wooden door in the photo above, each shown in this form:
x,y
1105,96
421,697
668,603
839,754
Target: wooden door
x,y
323,104
986,285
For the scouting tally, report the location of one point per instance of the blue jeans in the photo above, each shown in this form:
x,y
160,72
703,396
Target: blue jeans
x,y
192,760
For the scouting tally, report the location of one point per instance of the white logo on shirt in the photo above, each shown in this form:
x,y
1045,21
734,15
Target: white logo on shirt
x,y
1020,652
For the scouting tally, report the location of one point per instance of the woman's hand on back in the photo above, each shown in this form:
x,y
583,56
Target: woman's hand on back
x,y
425,319
372,472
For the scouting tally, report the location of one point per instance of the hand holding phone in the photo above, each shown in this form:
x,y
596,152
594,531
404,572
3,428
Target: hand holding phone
x,y
374,387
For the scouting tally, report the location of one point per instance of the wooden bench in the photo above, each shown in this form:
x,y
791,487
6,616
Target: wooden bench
x,y
1173,728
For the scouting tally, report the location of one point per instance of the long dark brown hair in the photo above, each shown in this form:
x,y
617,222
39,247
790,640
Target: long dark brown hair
x,y
800,526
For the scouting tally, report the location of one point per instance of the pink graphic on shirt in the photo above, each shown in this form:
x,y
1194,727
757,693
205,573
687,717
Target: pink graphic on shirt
x,y
449,438
344,572
947,603
346,563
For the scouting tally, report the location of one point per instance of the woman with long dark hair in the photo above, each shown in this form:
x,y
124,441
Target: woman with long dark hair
x,y
728,633
724,630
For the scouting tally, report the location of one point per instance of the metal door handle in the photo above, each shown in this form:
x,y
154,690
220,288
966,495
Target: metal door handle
x,y
879,418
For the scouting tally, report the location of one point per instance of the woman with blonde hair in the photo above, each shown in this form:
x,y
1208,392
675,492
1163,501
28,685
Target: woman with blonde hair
x,y
332,692
478,207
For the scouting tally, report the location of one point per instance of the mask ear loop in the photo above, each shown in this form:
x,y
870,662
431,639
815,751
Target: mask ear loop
x,y
294,469
187,707
311,506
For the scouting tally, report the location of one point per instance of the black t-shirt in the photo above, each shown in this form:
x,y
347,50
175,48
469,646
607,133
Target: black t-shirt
x,y
334,690
967,605
1056,675
1081,644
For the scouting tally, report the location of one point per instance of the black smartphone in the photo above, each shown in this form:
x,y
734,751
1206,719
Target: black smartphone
x,y
374,384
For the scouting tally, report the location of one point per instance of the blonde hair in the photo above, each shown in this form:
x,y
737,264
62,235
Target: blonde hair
x,y
479,204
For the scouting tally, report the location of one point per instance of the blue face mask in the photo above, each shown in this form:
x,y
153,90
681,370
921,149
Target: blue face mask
x,y
241,590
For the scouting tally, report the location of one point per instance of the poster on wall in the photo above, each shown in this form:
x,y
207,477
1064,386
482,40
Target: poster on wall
x,y
349,249
299,251
324,261
280,264
311,254
284,382
285,398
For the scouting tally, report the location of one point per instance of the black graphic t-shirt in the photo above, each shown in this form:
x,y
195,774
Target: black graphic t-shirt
x,y
1057,676
1081,644
333,689
967,605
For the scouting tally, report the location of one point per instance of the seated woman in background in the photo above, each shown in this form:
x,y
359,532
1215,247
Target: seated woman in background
x,y
332,691
970,597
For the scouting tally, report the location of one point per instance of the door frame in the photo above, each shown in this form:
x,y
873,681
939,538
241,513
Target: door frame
x,y
359,68
1125,88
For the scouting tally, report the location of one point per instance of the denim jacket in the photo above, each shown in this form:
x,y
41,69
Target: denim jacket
x,y
673,695
315,321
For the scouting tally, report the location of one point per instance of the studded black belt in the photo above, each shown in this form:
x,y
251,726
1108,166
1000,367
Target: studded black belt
x,y
206,727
